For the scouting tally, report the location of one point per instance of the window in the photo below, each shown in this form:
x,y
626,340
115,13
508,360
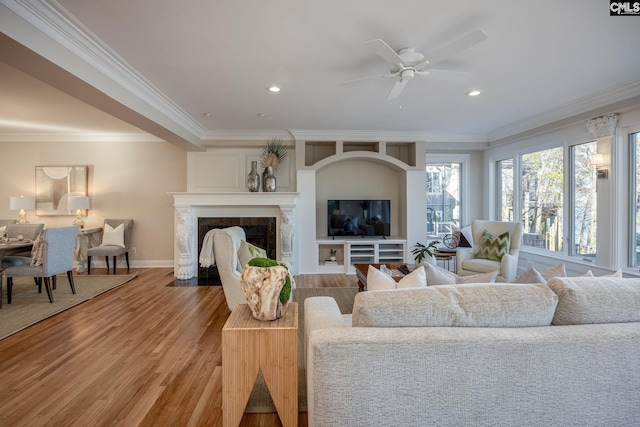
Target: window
x,y
444,175
505,190
541,198
634,200
582,181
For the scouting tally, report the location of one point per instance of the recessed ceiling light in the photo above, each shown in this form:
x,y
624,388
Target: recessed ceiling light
x,y
274,89
261,115
207,114
473,93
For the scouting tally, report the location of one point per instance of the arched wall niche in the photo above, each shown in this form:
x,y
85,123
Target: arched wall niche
x,y
369,177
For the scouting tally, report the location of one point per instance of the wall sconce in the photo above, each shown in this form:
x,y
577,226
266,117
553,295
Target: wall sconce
x,y
21,204
79,203
597,160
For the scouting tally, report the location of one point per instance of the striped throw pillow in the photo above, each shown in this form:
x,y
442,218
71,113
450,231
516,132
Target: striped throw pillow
x,y
494,248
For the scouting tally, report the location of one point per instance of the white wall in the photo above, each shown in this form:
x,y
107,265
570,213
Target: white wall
x,y
126,180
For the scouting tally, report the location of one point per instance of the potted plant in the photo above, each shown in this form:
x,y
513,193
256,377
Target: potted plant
x,y
424,253
266,283
332,254
271,157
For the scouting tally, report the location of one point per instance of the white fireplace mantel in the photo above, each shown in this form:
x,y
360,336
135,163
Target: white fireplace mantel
x,y
191,206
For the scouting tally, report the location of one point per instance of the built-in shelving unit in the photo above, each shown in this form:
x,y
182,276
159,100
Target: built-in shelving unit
x,y
316,151
359,251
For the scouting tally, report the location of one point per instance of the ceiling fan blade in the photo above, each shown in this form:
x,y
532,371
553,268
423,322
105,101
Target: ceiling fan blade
x,y
448,75
455,47
397,88
363,79
383,50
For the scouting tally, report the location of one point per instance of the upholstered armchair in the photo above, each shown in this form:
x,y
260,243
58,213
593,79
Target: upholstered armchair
x,y
28,232
467,263
51,256
226,242
113,244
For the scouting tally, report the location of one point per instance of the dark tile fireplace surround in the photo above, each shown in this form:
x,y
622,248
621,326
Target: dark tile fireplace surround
x,y
260,231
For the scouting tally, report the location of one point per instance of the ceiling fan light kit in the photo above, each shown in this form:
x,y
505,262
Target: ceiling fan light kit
x,y
406,63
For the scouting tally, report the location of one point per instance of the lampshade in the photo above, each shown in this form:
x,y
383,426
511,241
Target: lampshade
x,y
22,202
597,159
78,202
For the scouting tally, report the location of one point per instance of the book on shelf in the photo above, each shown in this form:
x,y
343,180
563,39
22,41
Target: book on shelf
x,y
329,262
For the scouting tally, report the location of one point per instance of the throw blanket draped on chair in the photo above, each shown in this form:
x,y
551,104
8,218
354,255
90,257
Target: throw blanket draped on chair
x,y
206,253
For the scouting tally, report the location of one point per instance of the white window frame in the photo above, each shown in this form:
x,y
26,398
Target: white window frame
x,y
465,161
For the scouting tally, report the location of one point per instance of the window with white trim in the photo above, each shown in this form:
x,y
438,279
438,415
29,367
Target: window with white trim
x,y
446,177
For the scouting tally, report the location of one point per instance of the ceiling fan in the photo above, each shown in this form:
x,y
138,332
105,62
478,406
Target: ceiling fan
x,y
406,63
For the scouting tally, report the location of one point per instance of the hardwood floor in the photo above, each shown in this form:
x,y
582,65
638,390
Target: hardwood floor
x,y
144,354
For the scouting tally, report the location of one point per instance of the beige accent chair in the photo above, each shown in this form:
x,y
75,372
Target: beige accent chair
x,y
112,250
226,243
467,264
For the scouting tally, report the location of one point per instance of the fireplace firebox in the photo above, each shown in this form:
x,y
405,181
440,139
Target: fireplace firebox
x,y
260,231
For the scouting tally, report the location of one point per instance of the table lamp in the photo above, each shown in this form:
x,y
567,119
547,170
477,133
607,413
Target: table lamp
x,y
22,203
78,203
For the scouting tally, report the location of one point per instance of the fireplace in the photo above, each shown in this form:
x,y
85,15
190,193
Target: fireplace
x,y
260,231
245,209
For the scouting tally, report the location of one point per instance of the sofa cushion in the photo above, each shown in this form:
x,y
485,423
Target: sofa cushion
x,y
477,305
586,300
480,265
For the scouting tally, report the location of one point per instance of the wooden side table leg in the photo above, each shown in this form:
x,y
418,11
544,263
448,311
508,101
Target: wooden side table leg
x,y
279,364
240,364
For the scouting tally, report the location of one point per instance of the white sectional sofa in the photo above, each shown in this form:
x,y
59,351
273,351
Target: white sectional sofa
x,y
562,354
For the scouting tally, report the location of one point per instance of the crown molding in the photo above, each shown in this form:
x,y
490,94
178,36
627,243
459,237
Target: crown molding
x,y
387,136
78,137
580,106
57,23
210,137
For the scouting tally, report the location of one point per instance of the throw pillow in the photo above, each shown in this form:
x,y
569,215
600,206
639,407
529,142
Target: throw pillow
x,y
531,276
113,236
377,280
616,274
555,271
37,250
416,279
493,247
439,276
247,252
589,273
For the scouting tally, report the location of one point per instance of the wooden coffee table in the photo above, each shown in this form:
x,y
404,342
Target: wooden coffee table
x,y
363,269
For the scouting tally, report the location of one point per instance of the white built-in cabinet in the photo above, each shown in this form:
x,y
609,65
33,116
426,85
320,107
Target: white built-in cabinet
x,y
359,251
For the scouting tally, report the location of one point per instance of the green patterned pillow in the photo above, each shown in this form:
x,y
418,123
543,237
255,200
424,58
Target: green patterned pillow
x,y
494,248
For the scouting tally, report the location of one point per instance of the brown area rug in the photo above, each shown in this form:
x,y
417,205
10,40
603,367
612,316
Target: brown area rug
x,y
260,399
29,307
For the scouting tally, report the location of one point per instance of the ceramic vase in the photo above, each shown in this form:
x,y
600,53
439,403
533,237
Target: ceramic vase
x,y
261,287
268,180
253,179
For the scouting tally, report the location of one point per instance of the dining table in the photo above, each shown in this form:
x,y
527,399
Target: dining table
x,y
12,247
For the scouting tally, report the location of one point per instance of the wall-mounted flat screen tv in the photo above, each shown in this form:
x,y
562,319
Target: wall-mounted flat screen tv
x,y
362,218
